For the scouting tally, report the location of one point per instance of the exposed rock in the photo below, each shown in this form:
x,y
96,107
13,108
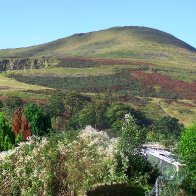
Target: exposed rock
x,y
25,63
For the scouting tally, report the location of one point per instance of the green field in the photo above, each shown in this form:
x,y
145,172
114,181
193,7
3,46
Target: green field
x,y
9,84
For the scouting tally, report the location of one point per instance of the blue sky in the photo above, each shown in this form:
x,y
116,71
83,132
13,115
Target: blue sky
x,y
31,22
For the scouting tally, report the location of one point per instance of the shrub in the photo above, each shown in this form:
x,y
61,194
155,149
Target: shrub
x,y
40,122
59,164
187,150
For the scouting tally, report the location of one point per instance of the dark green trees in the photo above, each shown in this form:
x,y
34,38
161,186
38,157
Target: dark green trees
x,y
169,126
94,114
7,139
116,113
40,122
167,130
56,105
75,102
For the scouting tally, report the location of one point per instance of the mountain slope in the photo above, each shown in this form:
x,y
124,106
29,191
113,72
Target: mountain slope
x,y
150,69
119,42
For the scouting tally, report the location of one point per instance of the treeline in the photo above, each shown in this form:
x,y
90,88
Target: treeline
x,y
74,111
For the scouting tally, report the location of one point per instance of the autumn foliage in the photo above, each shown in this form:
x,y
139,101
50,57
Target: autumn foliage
x,y
16,122
20,124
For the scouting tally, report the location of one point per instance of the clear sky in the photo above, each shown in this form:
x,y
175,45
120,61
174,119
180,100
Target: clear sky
x,y
31,22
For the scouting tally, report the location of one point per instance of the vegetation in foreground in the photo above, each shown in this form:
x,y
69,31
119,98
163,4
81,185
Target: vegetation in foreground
x,y
67,157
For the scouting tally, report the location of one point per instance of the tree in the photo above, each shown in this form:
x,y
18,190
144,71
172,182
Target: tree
x,y
100,107
56,105
25,129
7,138
169,125
7,143
187,150
16,122
131,139
57,111
87,116
18,138
40,122
20,126
116,113
75,102
168,130
93,114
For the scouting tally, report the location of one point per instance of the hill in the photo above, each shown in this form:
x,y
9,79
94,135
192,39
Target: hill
x,y
118,42
154,69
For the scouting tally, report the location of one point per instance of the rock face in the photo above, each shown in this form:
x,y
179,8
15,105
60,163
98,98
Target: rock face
x,y
25,63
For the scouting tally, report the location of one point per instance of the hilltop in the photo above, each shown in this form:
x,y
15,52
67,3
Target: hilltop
x,y
118,42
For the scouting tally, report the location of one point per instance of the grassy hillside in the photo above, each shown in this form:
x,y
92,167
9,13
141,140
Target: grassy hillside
x,y
153,67
121,42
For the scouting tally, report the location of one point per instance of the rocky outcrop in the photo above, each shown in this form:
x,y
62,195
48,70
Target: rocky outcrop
x,y
25,63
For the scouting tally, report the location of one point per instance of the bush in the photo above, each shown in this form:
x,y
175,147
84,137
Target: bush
x,y
40,122
59,164
187,150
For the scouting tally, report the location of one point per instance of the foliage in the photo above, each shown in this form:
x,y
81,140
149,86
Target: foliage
x,y
169,125
170,188
86,116
120,82
75,101
130,144
56,105
40,122
20,126
16,121
7,138
94,114
18,138
25,129
116,113
187,150
1,104
12,103
166,130
58,164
